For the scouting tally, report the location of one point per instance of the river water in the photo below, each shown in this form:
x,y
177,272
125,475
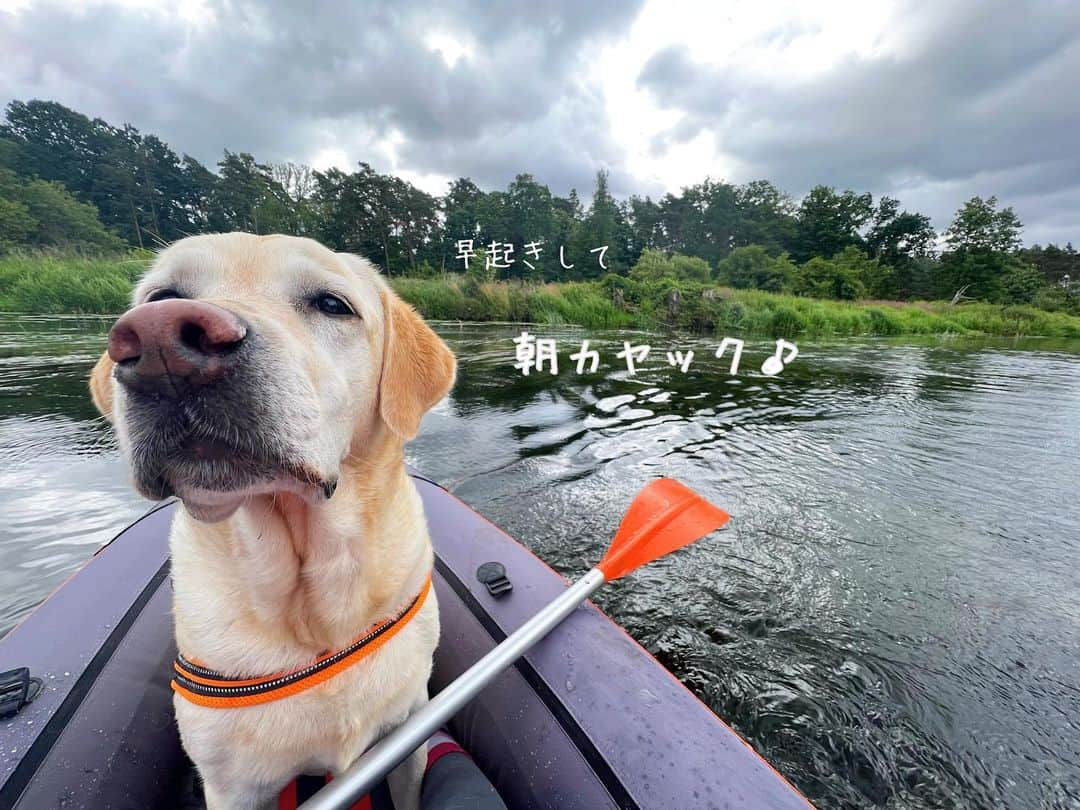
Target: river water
x,y
892,616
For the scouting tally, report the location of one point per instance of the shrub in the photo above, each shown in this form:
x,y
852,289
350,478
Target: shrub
x,y
655,266
690,268
1020,283
652,266
828,278
1056,299
751,267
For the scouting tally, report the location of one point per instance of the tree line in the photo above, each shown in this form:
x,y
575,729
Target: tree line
x,y
70,181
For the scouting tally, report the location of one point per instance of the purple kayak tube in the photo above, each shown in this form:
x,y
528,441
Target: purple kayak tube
x,y
587,719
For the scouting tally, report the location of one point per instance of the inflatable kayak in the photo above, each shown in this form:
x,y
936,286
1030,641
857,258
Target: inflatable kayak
x,y
587,719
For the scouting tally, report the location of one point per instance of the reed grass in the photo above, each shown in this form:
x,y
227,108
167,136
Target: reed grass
x,y
51,284
56,283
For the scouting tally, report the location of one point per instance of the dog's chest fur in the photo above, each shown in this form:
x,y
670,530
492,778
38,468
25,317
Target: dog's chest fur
x,y
268,591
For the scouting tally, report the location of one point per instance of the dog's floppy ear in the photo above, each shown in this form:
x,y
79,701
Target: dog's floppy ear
x,y
101,383
417,370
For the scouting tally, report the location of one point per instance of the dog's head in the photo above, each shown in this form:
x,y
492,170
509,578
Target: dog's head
x,y
252,365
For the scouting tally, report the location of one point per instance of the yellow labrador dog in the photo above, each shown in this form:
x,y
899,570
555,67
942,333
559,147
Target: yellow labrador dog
x,y
270,384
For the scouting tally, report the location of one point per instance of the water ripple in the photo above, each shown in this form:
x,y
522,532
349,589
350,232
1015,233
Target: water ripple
x,y
892,616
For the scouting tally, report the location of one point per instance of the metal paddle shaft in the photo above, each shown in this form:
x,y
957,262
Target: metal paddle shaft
x,y
393,749
664,516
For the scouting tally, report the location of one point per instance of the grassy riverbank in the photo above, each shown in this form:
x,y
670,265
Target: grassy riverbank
x,y
700,307
62,284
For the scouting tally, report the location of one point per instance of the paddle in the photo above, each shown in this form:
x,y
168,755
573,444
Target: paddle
x,y
664,516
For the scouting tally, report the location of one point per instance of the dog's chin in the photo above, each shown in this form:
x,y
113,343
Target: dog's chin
x,y
212,486
211,507
216,505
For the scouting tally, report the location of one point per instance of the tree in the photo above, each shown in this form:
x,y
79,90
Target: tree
x,y
766,217
16,224
246,197
528,217
160,183
980,239
411,220
9,154
493,216
341,215
643,217
115,188
63,221
381,217
140,187
460,220
57,143
297,180
197,188
979,226
95,162
976,273
567,215
79,182
921,278
41,213
899,239
603,226
701,221
691,268
875,276
1055,263
828,222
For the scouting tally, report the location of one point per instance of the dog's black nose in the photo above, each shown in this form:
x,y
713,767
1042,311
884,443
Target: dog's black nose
x,y
159,344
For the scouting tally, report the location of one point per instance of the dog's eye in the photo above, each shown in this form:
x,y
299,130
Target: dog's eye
x,y
331,305
161,295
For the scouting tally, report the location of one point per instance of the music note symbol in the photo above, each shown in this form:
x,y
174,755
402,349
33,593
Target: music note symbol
x,y
775,364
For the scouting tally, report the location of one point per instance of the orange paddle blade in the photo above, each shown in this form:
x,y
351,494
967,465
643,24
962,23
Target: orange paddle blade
x,y
664,516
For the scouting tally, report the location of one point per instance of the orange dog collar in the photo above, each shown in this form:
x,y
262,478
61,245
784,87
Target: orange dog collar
x,y
206,687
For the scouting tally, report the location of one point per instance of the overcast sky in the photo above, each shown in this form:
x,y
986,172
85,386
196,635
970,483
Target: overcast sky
x,y
929,102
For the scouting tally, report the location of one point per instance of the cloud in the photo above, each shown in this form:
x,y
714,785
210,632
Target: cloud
x,y
436,89
931,103
958,99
